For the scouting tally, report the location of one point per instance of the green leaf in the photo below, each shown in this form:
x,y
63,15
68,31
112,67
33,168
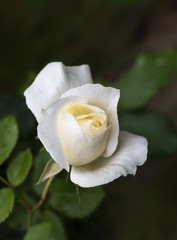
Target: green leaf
x,y
39,231
6,203
51,169
162,139
19,167
9,136
150,73
39,164
58,231
64,198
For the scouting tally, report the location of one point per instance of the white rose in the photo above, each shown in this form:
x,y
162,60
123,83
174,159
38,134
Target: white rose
x,y
78,125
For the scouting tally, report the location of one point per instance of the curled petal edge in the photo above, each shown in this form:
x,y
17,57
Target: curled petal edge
x,y
131,152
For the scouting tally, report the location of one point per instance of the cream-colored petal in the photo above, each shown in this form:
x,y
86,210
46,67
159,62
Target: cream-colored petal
x,y
78,148
83,109
48,129
92,124
85,126
105,98
51,82
131,152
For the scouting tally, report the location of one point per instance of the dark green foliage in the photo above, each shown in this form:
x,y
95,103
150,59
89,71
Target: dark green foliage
x,y
161,136
150,72
64,198
39,231
17,219
58,231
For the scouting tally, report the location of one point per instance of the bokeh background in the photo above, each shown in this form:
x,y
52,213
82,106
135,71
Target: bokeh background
x,y
109,36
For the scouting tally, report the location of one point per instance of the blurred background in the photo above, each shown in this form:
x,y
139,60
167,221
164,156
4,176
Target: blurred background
x,y
114,37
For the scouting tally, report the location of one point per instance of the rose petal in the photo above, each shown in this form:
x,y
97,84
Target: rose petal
x,y
105,98
51,82
131,152
48,131
78,148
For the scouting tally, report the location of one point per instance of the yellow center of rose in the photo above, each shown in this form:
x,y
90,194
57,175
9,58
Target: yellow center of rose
x,y
91,119
97,123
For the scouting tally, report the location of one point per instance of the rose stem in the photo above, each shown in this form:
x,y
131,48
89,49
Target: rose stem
x,y
44,194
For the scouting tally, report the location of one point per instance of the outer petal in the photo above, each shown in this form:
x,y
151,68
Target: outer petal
x,y
51,82
78,148
131,152
105,98
48,131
